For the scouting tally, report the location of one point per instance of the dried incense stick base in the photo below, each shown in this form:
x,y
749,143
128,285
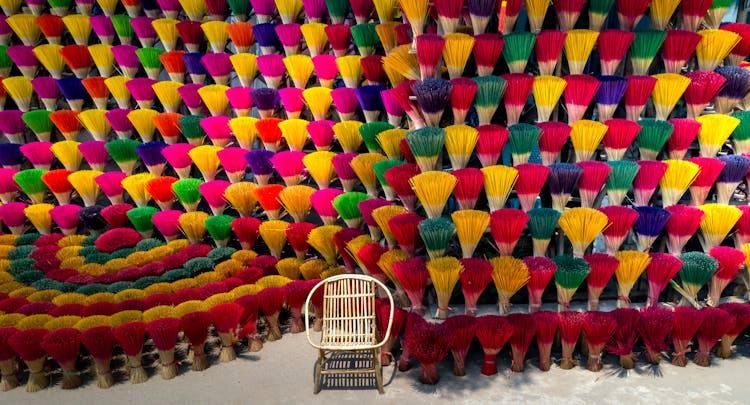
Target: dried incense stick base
x,y
517,365
567,363
724,349
227,348
403,360
594,363
38,380
200,362
137,373
653,357
627,362
168,365
8,370
544,363
104,378
429,374
702,359
71,380
459,366
274,332
254,343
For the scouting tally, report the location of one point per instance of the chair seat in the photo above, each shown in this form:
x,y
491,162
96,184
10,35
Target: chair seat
x,y
350,341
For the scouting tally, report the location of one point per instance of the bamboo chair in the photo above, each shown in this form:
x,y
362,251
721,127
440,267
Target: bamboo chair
x,y
349,324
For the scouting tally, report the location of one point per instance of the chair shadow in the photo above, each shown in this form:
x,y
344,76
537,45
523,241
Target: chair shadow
x,y
339,361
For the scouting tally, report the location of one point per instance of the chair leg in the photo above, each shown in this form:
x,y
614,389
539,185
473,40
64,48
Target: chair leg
x,y
318,373
378,370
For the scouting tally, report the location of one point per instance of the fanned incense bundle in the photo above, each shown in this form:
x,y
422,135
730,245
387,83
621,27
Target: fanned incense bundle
x,y
632,265
498,182
547,91
509,276
603,267
677,179
586,135
581,226
531,180
562,181
476,276
683,222
715,130
644,48
592,181
570,273
470,228
456,53
517,49
506,226
444,273
490,89
598,327
645,182
704,86
542,224
730,260
579,92
578,46
667,92
697,269
522,139
717,222
620,179
637,94
612,45
713,47
678,47
433,190
661,270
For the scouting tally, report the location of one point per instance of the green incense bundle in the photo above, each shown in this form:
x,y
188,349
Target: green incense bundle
x,y
570,274
620,179
191,128
598,12
124,153
652,137
30,181
436,233
697,269
716,13
59,4
741,134
141,219
522,139
220,229
338,10
149,58
370,132
123,28
39,123
542,224
365,38
187,191
6,63
489,93
644,48
240,9
380,168
347,205
517,50
426,144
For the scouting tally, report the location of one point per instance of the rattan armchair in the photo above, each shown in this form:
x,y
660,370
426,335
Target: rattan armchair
x,y
349,324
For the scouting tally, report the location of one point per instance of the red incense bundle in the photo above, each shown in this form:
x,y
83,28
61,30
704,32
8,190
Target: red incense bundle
x,y
404,228
476,276
226,318
730,261
449,14
546,330
703,87
710,169
647,179
625,336
553,137
603,267
27,344
637,94
716,323
412,274
742,228
321,202
630,12
194,326
592,181
493,332
469,183
612,45
99,342
174,65
531,180
506,225
685,324
399,320
620,135
541,270
742,49
516,95
653,331
677,48
685,132
548,48
461,330
63,346
428,343
487,49
683,222
491,139
296,294
621,221
271,301
568,12
398,178
97,90
167,223
462,97
693,12
571,325
524,330
598,328
296,235
250,304
130,336
661,270
163,332
741,314
429,53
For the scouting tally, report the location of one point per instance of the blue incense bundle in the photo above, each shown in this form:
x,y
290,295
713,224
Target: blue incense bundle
x,y
611,90
651,221
73,91
195,68
370,100
734,171
267,38
563,179
10,155
260,164
432,98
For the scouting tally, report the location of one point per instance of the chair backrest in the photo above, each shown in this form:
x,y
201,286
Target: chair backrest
x,y
349,318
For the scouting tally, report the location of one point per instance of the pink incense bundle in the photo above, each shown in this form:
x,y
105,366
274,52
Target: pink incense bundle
x,y
541,271
297,234
531,180
568,12
392,108
217,129
118,120
191,98
462,98
412,274
625,336
289,166
345,173
141,90
290,36
685,132
292,101
524,330
404,228
8,187
226,318
506,225
326,69
647,179
398,178
218,66
38,154
345,101
241,100
234,163
730,261
367,207
321,202
703,87
469,183
321,134
476,276
163,332
144,31
742,228
272,68
612,46
130,336
683,222
66,218
213,192
716,323
553,137
109,183
619,137
23,57
491,139
250,305
546,330
661,270
592,181
599,328
685,324
461,330
603,267
493,332
710,169
194,326
167,223
48,92
516,94
102,27
678,48
548,48
399,320
246,231
127,60
368,257
403,94
637,94
487,49
27,344
621,221
177,156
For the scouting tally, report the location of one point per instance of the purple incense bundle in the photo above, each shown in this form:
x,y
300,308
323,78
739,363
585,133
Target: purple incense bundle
x,y
611,90
267,100
370,101
259,161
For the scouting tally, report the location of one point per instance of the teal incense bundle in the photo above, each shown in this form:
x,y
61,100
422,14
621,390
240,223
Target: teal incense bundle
x,y
652,137
620,180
